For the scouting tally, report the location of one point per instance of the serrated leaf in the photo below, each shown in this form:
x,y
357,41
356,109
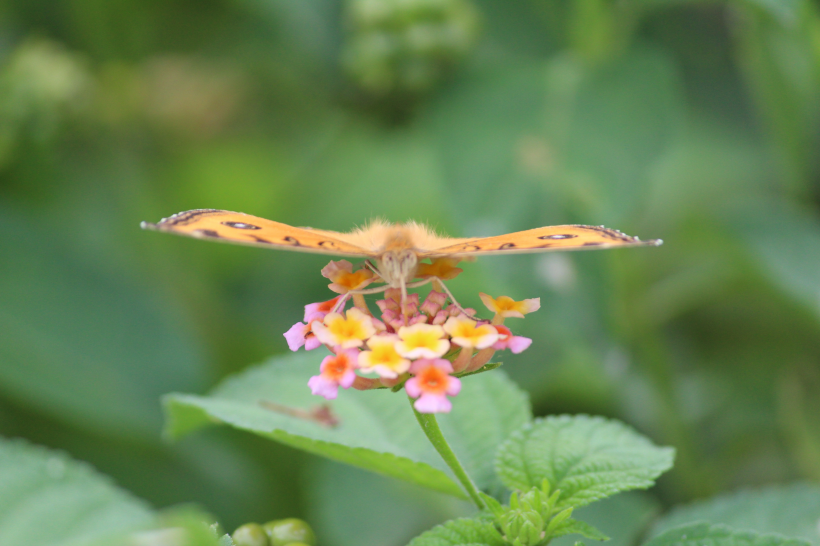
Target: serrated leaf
x,y
461,532
377,429
586,458
792,511
576,527
704,534
46,498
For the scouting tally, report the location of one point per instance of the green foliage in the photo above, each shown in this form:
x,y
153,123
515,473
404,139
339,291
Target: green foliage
x,y
47,498
693,121
719,535
788,510
377,430
461,532
585,458
400,47
62,365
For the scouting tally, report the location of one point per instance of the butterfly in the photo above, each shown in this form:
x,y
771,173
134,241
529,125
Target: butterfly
x,y
395,248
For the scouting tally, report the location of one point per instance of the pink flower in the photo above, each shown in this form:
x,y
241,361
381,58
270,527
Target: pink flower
x,y
337,370
296,335
432,384
433,303
506,340
302,334
318,311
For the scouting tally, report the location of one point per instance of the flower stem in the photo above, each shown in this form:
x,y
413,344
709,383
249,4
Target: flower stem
x,y
429,425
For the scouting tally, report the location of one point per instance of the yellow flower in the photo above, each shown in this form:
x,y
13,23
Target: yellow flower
x,y
421,341
382,357
507,307
466,332
338,331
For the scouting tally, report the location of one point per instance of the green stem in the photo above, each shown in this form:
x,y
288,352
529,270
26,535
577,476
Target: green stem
x,y
430,427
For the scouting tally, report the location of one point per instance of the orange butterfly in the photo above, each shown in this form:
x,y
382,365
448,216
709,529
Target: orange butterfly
x,y
396,248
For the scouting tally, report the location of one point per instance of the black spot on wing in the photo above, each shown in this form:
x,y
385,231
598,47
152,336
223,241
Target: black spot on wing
x,y
207,233
328,244
506,246
559,236
240,225
292,240
261,240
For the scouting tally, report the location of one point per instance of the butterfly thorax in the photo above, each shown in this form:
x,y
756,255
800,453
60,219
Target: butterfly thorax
x,y
398,261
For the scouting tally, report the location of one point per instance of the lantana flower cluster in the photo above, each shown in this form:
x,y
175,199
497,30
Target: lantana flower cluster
x,y
423,345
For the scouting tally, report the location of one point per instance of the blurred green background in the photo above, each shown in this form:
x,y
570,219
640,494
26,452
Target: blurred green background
x,y
695,122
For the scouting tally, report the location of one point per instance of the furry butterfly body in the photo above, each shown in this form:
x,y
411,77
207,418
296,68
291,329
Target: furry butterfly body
x,y
396,248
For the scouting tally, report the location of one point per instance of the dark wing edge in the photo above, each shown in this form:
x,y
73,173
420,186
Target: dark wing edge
x,y
604,238
170,224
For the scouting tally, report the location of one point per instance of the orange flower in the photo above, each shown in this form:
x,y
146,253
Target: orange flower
x,y
441,268
344,279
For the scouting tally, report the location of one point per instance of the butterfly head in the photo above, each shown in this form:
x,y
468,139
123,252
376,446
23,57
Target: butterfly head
x,y
398,266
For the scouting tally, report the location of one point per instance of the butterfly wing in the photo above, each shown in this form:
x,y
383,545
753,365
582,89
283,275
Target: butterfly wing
x,y
569,237
244,229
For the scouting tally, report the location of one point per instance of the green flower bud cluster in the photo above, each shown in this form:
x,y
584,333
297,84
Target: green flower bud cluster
x,y
280,532
406,46
532,518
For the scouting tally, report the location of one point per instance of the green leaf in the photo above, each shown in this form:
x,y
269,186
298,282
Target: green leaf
x,y
789,510
624,518
704,534
377,429
461,532
586,458
48,498
80,340
576,527
779,236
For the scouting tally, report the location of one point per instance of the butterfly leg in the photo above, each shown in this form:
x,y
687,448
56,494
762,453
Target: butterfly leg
x,y
446,291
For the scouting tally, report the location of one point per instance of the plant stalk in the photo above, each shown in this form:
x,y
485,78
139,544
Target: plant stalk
x,y
429,425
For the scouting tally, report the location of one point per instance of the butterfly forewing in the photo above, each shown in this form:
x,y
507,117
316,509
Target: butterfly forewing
x,y
569,237
240,228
